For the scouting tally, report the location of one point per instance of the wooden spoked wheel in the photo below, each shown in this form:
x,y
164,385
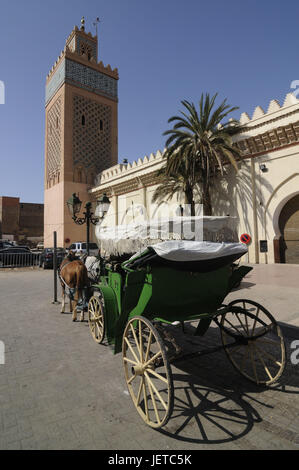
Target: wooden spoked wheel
x,y
259,354
96,318
147,372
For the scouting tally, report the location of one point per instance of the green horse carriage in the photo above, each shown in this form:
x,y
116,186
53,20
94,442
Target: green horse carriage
x,y
174,282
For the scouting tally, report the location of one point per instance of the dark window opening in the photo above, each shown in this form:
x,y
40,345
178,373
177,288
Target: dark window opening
x,y
83,120
101,125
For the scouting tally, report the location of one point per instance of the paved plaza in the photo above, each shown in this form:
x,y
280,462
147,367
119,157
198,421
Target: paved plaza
x,y
60,390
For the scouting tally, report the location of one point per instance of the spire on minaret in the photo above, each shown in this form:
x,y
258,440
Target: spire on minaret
x,y
83,43
95,23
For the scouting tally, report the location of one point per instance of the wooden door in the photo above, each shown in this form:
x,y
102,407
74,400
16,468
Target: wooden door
x,y
289,227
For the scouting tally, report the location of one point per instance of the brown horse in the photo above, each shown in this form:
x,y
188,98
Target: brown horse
x,y
73,275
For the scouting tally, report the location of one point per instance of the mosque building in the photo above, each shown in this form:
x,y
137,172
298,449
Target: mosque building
x,y
81,156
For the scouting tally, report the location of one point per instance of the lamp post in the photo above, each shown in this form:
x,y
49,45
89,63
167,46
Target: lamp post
x,y
74,206
103,205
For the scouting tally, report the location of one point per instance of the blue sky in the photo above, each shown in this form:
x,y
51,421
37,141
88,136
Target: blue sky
x,y
165,51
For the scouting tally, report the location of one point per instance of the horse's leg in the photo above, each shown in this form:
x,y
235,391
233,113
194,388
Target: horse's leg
x,y
74,316
82,299
63,298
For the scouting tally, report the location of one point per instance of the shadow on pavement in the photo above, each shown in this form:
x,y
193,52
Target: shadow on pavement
x,y
213,403
244,285
205,413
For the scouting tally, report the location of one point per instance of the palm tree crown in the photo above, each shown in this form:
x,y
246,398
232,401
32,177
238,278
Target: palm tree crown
x,y
198,146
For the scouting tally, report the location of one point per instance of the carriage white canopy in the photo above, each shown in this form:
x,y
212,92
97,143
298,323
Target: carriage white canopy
x,y
185,250
133,238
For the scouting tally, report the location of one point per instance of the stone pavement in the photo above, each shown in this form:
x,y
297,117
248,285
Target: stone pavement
x,y
60,390
276,286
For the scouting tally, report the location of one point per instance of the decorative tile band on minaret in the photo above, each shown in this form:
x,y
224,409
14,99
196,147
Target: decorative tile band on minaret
x,y
81,75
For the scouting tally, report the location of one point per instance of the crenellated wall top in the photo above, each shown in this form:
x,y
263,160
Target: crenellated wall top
x,y
125,171
82,33
273,108
275,116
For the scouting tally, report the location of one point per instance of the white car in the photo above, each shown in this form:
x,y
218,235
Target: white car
x,y
80,248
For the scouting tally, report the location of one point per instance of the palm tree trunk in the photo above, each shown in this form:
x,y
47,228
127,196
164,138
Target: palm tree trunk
x,y
206,196
207,206
189,200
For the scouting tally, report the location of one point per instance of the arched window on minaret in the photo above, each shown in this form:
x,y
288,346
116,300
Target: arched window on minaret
x,y
79,174
83,120
91,178
101,125
86,49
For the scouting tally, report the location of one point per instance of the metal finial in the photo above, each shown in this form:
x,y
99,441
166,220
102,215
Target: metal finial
x,y
95,23
83,23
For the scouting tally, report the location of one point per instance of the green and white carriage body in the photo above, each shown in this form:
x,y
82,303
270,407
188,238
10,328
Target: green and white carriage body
x,y
180,281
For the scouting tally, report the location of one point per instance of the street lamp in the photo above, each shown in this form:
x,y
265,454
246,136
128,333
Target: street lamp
x,y
103,205
74,206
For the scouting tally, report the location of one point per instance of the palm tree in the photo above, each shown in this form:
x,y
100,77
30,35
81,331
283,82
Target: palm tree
x,y
200,144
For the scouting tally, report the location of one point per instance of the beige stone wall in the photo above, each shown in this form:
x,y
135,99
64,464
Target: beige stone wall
x,y
257,197
254,197
54,215
57,217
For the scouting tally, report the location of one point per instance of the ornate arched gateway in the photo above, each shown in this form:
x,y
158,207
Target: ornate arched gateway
x,y
289,229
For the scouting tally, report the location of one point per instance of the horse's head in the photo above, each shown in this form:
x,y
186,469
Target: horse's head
x,y
71,256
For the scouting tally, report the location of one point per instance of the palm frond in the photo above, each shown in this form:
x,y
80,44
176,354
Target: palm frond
x,y
198,145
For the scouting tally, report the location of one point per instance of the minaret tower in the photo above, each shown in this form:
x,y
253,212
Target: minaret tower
x,y
80,132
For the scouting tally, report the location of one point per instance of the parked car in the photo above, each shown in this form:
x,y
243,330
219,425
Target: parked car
x,y
5,244
17,256
21,247
80,248
46,257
